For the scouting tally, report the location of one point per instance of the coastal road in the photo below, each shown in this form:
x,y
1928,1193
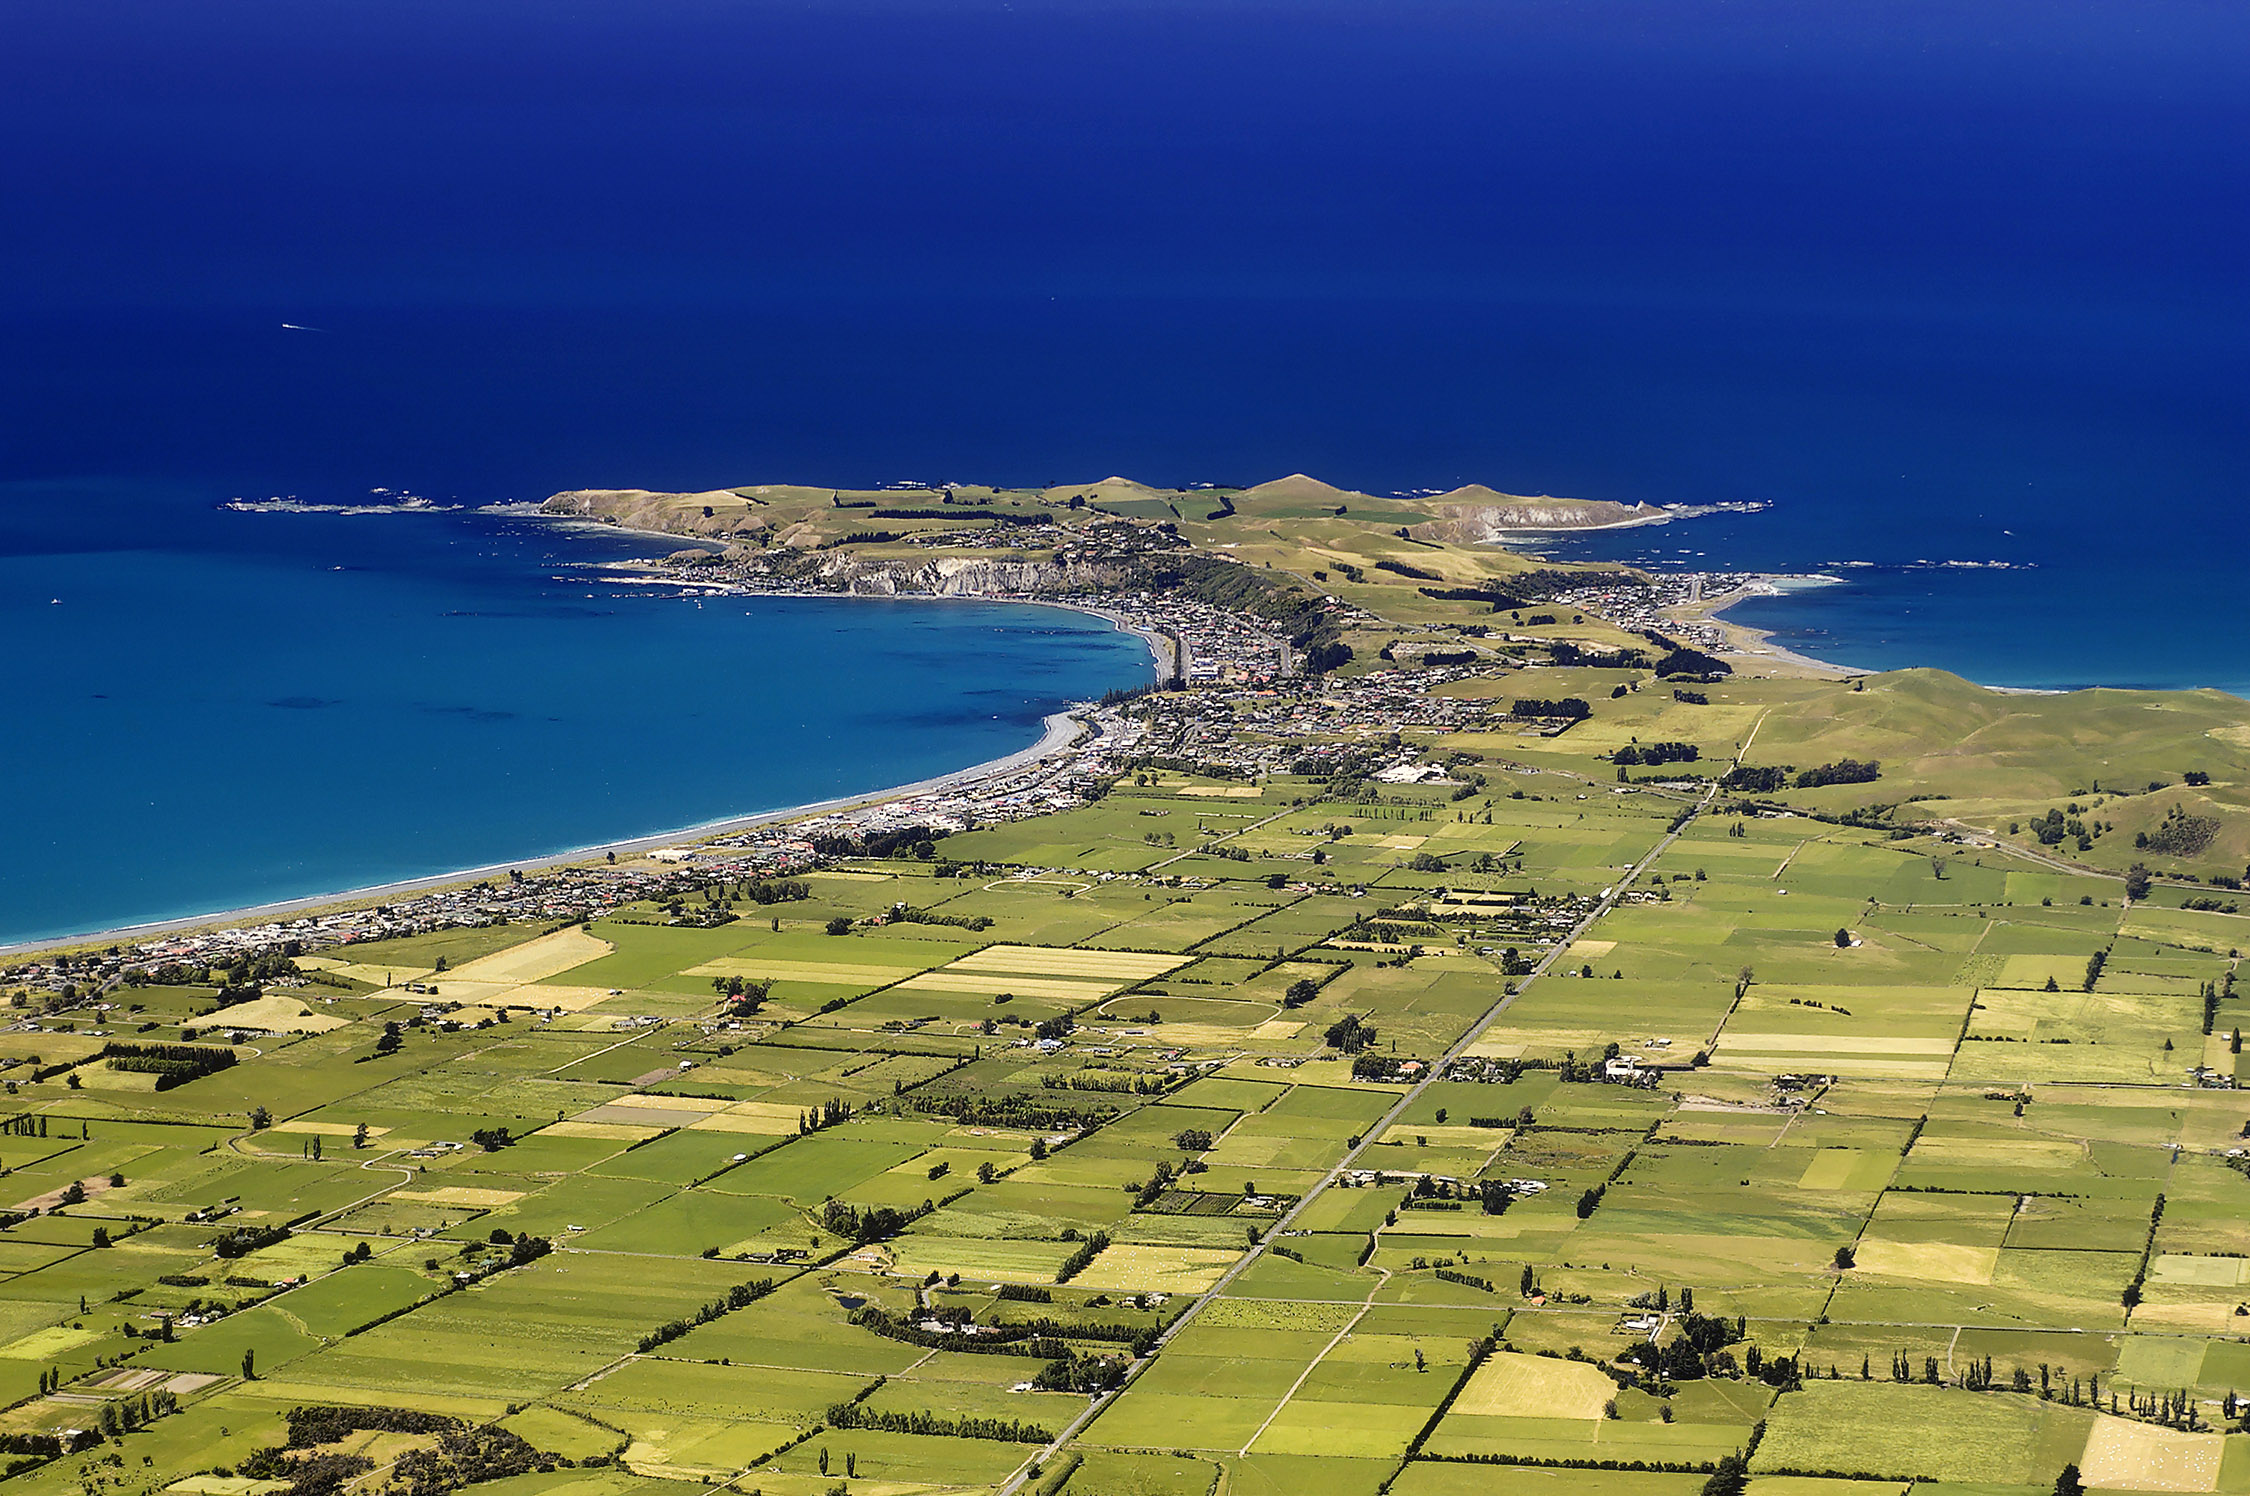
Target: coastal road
x,y
1367,1140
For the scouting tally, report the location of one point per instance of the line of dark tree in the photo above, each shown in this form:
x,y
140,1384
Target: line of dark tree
x,y
1533,1462
243,1240
1842,771
1002,516
1767,779
1405,569
1567,653
49,1446
876,1223
1015,1111
1499,601
1653,754
741,1296
907,914
1685,661
171,1064
1573,707
1079,1260
993,1340
1007,1430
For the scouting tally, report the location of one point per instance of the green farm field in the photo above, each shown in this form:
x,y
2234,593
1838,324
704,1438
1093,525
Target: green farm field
x,y
1556,1125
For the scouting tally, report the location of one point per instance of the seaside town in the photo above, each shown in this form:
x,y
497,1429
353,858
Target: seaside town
x,y
1233,702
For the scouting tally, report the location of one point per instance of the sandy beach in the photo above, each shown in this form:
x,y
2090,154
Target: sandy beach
x,y
1756,646
1061,731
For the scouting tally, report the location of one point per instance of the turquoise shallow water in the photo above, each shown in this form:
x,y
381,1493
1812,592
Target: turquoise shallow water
x,y
270,706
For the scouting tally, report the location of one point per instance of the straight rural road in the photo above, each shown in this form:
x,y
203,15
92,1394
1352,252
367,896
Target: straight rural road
x,y
1607,902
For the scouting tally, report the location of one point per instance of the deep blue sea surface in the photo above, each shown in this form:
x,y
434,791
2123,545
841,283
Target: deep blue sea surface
x,y
1939,282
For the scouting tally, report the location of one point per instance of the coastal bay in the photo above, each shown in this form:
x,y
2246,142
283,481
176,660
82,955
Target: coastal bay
x,y
309,703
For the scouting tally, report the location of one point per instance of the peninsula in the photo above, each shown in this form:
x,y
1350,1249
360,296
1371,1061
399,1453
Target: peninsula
x,y
1474,1023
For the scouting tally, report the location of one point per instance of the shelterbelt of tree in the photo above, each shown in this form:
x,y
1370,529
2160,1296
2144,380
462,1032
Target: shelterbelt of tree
x,y
1536,1045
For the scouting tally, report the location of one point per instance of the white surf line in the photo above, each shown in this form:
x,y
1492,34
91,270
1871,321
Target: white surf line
x,y
1064,730
1367,1140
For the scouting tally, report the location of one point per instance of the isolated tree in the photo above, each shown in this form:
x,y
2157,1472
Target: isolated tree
x,y
249,1366
2068,1483
1843,940
2136,883
359,1136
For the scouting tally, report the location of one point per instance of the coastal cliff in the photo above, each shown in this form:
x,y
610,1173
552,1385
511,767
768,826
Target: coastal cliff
x,y
955,576
1476,515
721,514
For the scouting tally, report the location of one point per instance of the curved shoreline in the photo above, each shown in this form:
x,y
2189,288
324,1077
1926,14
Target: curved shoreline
x,y
1749,643
1060,731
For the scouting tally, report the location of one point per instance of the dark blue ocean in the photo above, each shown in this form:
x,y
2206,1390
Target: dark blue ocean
x,y
1937,282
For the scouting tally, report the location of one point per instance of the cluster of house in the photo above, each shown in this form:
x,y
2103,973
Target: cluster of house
x,y
1633,605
